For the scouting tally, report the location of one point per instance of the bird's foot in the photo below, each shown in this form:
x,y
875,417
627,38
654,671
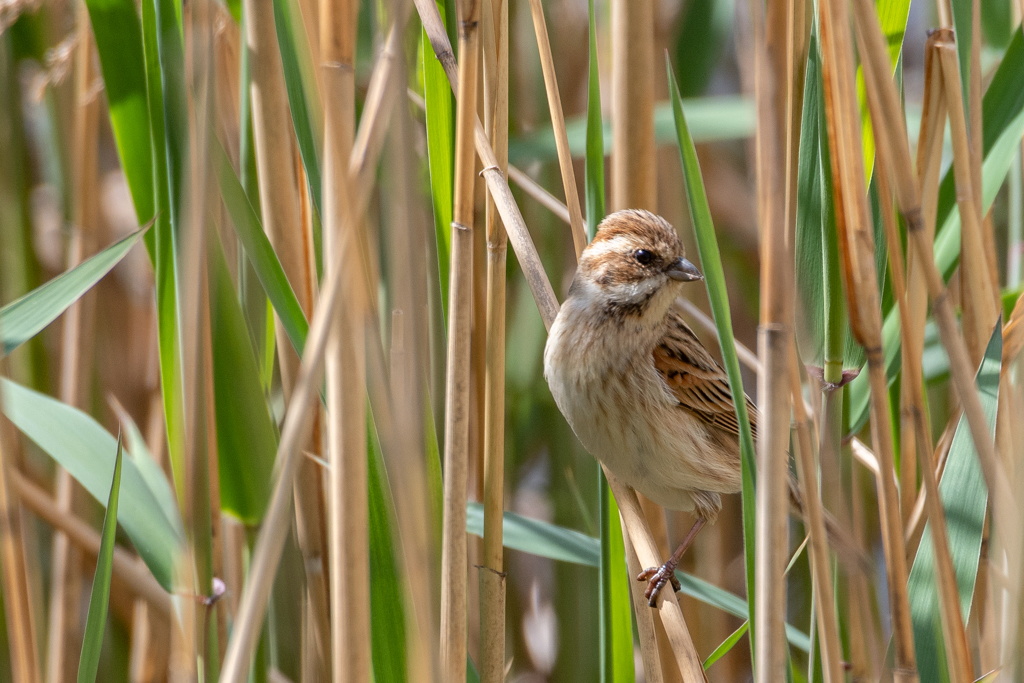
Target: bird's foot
x,y
656,578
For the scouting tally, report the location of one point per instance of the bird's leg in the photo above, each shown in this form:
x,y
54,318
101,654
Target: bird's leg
x,y
657,577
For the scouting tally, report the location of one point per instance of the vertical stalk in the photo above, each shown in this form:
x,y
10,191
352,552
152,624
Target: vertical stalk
x,y
980,299
63,633
857,248
492,575
775,144
457,399
572,197
345,358
634,184
280,192
821,578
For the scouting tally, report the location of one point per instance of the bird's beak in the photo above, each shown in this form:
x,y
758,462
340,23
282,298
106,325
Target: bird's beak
x,y
683,271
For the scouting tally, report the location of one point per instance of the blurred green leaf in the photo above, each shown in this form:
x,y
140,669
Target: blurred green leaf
x,y
300,84
718,295
246,436
387,617
594,181
115,23
260,252
712,119
965,501
81,446
706,26
997,22
26,317
892,17
99,600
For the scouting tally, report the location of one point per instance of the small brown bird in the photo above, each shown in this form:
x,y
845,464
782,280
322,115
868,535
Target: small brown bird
x,y
639,389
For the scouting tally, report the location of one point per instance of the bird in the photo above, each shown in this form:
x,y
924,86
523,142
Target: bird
x,y
640,391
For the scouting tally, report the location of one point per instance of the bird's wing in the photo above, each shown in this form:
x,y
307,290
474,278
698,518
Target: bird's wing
x,y
696,380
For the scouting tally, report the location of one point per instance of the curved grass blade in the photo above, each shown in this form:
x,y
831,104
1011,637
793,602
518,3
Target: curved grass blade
x,y
82,447
24,318
965,499
726,645
246,436
261,254
99,600
714,278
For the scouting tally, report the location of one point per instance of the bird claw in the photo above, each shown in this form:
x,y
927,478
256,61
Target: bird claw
x,y
656,578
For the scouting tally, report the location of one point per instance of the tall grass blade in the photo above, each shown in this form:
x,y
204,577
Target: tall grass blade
x,y
965,500
82,447
594,181
118,33
24,318
440,120
99,600
714,278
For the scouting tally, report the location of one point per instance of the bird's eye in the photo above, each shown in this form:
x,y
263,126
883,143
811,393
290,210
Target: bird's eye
x,y
643,257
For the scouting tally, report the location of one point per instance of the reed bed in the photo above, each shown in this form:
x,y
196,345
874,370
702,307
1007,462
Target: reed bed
x,y
302,312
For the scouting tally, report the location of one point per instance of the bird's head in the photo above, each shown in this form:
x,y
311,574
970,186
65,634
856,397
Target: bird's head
x,y
634,266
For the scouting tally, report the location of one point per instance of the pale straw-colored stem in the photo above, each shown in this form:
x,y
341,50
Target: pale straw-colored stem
x,y
547,63
492,574
954,637
282,220
458,396
639,535
857,250
980,299
821,584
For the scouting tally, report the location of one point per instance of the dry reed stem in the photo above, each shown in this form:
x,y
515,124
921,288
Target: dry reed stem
x,y
979,298
535,190
345,359
857,249
298,418
895,152
773,90
639,535
536,278
814,520
492,575
958,657
572,197
634,183
497,184
647,640
457,400
64,629
282,220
